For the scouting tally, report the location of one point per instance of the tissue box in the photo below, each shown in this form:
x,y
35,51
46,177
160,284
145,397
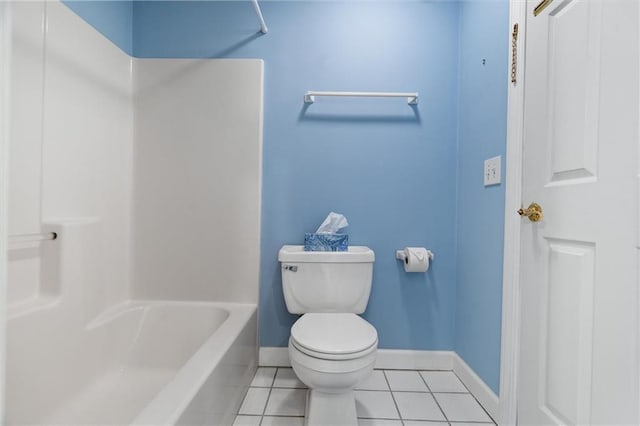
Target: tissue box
x,y
326,242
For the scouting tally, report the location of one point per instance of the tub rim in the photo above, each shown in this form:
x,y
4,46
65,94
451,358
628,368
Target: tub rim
x,y
173,399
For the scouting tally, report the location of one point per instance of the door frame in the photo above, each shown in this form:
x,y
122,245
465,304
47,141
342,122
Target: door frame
x,y
510,338
5,34
5,46
637,372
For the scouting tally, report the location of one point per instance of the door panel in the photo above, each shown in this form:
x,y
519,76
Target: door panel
x,y
565,348
574,43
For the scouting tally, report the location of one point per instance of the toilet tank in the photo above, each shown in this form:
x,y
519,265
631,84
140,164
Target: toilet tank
x,y
322,282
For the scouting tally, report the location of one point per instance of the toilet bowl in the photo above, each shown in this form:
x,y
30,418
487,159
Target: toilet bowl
x,y
331,354
331,348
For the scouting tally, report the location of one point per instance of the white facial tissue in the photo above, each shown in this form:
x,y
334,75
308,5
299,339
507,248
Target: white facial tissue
x,y
332,224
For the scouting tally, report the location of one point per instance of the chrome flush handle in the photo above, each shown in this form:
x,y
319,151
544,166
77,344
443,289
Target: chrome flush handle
x,y
292,268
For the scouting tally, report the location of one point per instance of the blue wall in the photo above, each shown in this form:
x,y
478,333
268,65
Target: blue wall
x,y
402,175
480,226
390,168
114,19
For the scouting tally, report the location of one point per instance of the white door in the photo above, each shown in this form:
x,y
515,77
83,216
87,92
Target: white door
x,y
579,330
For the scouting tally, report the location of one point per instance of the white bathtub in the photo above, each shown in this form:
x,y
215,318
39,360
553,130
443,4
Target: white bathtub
x,y
155,363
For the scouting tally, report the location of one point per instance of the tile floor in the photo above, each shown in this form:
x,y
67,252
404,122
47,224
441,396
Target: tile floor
x,y
387,398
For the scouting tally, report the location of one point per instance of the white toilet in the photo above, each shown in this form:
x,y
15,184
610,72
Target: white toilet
x,y
331,348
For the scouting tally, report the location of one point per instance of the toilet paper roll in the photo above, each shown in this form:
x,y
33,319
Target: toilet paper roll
x,y
416,259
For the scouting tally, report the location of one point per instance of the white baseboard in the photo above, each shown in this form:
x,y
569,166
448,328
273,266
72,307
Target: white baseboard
x,y
476,386
390,359
396,359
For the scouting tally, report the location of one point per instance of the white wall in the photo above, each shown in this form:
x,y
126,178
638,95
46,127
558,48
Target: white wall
x,y
88,145
71,148
197,164
25,150
197,143
198,127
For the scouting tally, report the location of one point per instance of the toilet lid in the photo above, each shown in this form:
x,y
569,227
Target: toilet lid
x,y
334,333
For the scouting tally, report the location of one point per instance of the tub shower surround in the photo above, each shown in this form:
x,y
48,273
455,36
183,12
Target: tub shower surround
x,y
136,312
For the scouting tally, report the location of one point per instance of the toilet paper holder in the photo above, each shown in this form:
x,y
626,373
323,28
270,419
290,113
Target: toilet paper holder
x,y
401,255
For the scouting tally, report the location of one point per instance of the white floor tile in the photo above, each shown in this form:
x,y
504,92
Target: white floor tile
x,y
379,422
375,381
461,407
443,381
286,402
264,377
375,405
469,424
254,401
418,406
405,381
282,421
247,421
286,378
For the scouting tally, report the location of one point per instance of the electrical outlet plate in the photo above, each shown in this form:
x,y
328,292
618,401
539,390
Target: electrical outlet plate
x,y
492,172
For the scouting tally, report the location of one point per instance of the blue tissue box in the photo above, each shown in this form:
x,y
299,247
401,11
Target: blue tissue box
x,y
326,242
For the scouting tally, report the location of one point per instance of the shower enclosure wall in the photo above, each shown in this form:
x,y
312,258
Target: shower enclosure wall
x,y
148,172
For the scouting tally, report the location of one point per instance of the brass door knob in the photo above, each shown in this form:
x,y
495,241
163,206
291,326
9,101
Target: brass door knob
x,y
533,212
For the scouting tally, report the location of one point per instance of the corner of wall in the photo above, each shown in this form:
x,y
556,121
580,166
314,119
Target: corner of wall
x,y
112,19
459,6
131,48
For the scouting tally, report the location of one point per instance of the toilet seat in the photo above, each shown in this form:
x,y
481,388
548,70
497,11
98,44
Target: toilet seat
x,y
334,336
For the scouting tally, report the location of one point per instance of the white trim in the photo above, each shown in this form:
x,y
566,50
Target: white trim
x,y
5,56
637,372
476,386
507,409
389,359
